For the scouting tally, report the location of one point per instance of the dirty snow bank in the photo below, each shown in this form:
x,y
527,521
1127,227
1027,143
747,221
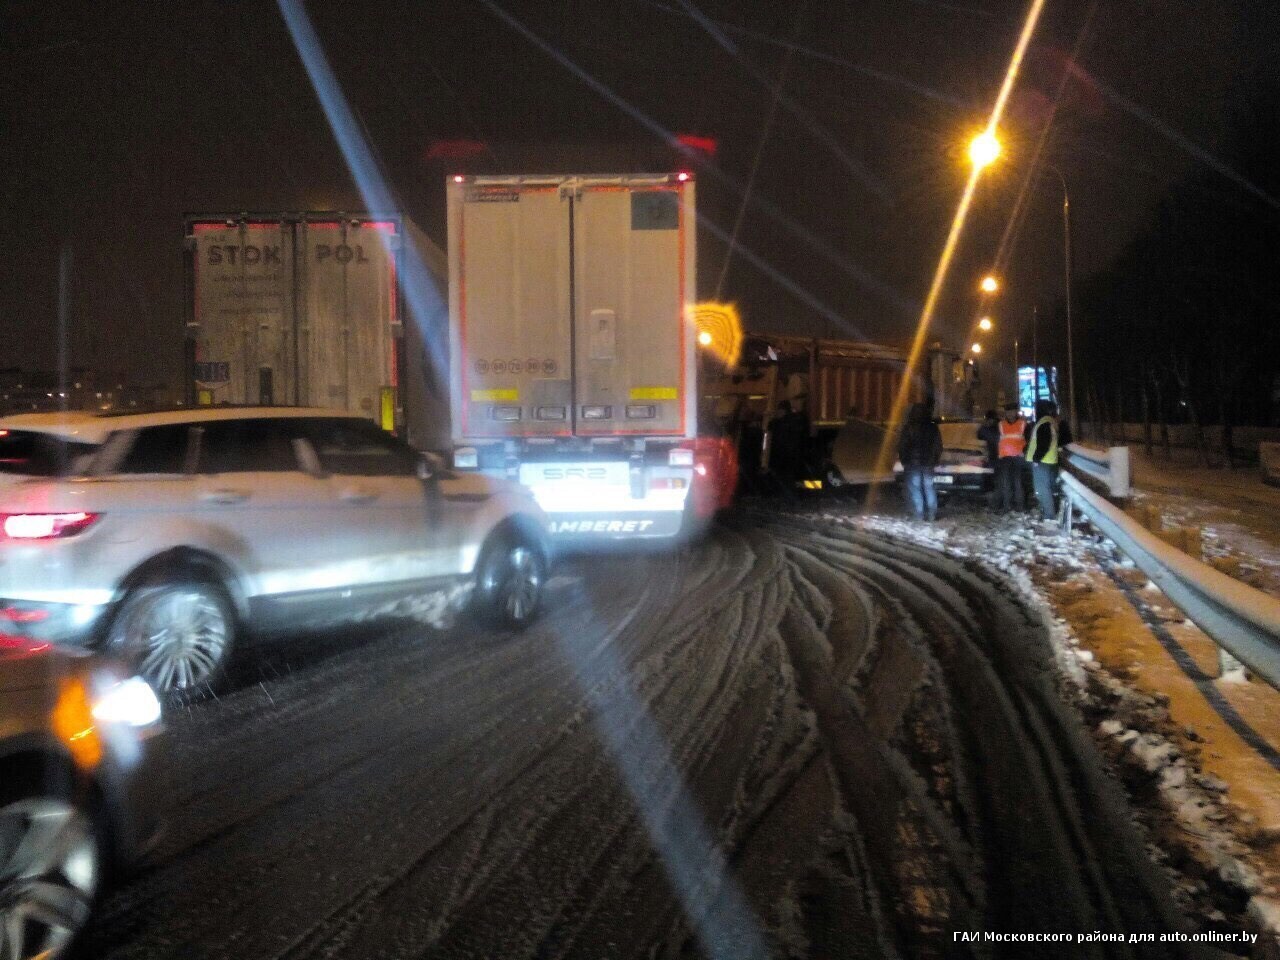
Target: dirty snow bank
x,y
1212,848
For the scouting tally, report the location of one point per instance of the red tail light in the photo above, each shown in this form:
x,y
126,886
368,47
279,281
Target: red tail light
x,y
19,615
46,526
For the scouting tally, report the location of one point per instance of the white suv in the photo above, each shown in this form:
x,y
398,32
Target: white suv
x,y
164,536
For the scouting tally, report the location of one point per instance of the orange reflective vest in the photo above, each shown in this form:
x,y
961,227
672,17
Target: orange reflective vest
x,y
1012,441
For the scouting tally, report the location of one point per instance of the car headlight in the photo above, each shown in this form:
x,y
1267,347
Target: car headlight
x,y
129,702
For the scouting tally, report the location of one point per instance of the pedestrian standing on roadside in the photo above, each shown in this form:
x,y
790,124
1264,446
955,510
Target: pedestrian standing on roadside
x,y
787,434
1012,446
920,450
1043,440
989,434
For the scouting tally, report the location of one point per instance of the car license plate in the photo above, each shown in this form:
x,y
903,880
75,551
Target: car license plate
x,y
943,478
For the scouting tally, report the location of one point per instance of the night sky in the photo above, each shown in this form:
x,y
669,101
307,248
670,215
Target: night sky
x,y
117,117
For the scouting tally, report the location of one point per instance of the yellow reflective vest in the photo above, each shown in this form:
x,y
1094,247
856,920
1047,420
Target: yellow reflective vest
x,y
1051,456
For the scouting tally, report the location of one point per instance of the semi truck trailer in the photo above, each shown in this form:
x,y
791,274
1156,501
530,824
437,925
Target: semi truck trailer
x,y
572,360
564,359
294,309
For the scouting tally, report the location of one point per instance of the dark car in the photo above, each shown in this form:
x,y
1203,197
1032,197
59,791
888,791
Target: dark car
x,y
72,749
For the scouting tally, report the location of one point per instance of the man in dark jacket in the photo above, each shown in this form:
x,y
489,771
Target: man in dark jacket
x,y
920,450
989,434
788,433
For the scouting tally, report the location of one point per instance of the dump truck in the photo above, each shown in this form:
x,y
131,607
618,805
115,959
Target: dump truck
x,y
845,390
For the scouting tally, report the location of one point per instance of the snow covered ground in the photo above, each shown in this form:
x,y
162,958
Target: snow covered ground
x,y
1238,514
1144,678
798,738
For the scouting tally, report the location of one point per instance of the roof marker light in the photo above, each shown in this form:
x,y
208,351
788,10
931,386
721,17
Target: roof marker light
x,y
682,176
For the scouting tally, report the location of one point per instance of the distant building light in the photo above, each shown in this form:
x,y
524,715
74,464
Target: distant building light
x,y
77,386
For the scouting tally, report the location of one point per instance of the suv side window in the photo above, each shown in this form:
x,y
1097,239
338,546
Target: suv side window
x,y
354,447
157,450
246,446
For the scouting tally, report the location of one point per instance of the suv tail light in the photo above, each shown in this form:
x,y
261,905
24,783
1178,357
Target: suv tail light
x,y
45,526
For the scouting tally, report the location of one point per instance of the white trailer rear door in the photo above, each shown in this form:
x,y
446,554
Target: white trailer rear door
x,y
631,250
511,284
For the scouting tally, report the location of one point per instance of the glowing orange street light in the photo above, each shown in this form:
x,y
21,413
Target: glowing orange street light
x,y
984,149
990,284
704,338
984,324
976,348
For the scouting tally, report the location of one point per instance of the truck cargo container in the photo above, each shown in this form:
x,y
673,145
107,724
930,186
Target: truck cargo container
x,y
298,309
572,366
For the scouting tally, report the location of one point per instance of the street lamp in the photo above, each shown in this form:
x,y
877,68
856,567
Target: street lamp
x,y
1066,258
704,338
976,348
984,149
984,324
989,284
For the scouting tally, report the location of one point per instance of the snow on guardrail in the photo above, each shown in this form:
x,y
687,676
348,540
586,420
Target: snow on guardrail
x,y
1242,620
1107,466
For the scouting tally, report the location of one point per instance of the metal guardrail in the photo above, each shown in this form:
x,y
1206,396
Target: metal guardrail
x,y
1109,466
1242,620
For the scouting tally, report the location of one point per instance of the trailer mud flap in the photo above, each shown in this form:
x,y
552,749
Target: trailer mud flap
x,y
616,526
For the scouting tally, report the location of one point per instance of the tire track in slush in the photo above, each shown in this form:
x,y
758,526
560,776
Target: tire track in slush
x,y
1058,850
870,732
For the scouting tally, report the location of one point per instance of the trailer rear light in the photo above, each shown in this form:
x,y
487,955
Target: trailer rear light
x,y
458,178
550,413
506,413
680,457
46,526
641,411
597,413
466,458
682,177
700,469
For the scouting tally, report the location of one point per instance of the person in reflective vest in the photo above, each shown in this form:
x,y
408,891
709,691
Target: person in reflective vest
x,y
1010,449
1044,440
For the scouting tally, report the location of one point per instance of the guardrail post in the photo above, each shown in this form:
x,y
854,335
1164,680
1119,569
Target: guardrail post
x,y
1149,517
1227,664
1193,542
1118,480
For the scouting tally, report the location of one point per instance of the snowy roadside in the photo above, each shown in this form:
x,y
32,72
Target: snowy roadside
x,y
1209,801
1238,514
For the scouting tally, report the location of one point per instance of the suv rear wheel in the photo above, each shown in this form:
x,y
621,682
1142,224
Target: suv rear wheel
x,y
509,580
177,635
51,854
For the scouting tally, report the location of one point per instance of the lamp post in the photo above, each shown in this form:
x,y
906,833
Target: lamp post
x,y
1066,257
